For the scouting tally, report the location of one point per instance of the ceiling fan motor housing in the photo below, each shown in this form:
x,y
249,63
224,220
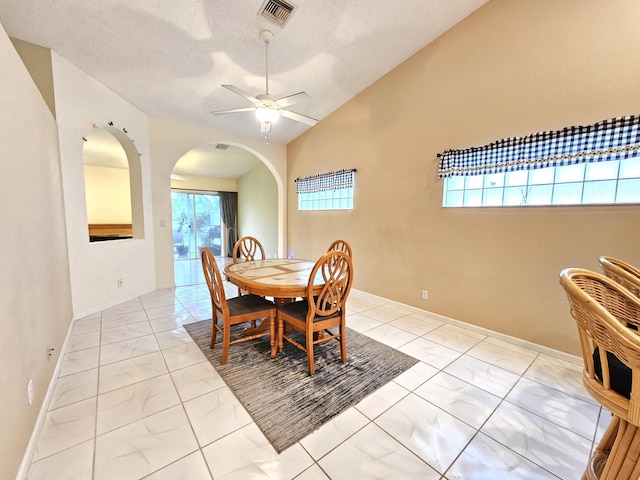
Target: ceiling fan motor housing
x,y
266,36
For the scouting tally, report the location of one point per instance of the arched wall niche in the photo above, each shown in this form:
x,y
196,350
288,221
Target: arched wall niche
x,y
113,185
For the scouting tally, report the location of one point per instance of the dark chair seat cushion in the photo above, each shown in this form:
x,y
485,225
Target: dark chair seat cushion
x,y
619,373
299,310
248,304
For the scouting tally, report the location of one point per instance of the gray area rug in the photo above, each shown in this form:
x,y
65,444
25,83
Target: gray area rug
x,y
285,401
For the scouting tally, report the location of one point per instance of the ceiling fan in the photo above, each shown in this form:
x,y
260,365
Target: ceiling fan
x,y
268,108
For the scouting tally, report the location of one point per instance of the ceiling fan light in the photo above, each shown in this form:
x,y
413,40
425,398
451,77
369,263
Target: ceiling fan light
x,y
267,115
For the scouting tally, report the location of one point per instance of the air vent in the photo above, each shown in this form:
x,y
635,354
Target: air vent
x,y
221,146
276,11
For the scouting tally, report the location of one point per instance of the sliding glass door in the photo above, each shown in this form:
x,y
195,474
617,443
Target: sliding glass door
x,y
196,224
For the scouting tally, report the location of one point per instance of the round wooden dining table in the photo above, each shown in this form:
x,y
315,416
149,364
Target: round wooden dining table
x,y
284,279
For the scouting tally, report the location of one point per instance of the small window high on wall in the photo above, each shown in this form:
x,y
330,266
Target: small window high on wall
x,y
583,165
326,191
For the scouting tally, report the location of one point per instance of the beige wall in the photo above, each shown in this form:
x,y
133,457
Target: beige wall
x,y
108,194
35,293
96,267
258,208
510,69
38,62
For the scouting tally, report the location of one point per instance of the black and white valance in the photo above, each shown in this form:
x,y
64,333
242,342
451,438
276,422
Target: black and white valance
x,y
613,139
325,181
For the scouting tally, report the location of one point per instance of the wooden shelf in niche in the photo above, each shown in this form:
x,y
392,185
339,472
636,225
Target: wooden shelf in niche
x,y
109,231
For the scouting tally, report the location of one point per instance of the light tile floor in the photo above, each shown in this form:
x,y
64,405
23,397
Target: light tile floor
x,y
136,398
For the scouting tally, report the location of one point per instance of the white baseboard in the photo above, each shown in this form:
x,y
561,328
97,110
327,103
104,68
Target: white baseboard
x,y
567,357
91,311
44,408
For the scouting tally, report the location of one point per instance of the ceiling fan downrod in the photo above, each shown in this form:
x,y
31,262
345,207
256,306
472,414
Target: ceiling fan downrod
x,y
266,37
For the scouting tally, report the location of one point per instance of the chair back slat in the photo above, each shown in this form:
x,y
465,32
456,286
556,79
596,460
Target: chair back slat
x,y
623,273
248,248
336,270
341,246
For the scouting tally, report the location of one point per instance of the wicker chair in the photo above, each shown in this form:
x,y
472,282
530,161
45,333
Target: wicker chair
x,y
626,275
341,246
603,309
235,310
315,315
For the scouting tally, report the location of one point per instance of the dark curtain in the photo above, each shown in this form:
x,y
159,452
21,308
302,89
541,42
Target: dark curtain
x,y
229,210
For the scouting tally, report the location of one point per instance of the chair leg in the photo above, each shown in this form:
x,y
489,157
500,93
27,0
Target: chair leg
x,y
272,336
601,453
622,462
226,338
309,345
280,332
343,343
214,330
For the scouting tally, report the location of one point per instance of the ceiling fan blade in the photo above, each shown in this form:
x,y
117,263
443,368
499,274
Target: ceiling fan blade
x,y
246,95
234,110
298,117
292,99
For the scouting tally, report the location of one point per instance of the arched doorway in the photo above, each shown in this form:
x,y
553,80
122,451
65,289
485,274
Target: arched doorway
x,y
198,179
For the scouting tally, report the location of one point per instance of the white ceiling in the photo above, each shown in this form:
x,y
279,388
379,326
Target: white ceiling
x,y
170,59
209,161
218,160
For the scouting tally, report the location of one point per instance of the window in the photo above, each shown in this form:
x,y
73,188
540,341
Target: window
x,y
327,191
597,164
196,224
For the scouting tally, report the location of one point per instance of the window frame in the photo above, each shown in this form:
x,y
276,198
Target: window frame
x,y
547,185
597,164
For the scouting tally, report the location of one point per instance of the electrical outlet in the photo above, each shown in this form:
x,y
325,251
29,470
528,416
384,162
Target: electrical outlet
x,y
30,391
120,283
425,294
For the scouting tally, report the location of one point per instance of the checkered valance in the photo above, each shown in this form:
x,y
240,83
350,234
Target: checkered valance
x,y
325,181
613,139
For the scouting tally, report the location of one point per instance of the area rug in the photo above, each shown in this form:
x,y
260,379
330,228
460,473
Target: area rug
x,y
287,403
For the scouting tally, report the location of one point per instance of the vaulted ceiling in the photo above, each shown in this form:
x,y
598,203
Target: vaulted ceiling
x,y
170,59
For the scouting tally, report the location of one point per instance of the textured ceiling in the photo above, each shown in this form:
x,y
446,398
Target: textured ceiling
x,y
170,59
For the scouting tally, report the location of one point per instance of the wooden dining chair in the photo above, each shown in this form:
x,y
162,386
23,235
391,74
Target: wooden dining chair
x,y
341,246
603,311
226,313
625,274
322,311
248,248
